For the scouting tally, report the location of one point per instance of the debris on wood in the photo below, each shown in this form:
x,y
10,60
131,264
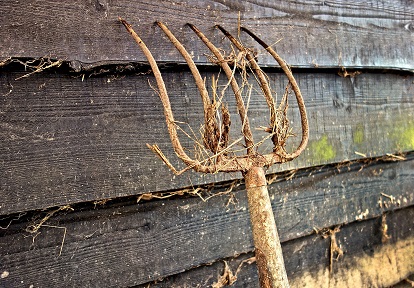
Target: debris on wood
x,y
361,154
38,65
362,215
334,248
5,61
204,193
228,278
396,157
34,228
384,229
101,202
391,201
4,274
344,73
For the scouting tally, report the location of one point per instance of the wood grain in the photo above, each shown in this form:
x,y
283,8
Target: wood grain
x,y
127,244
76,134
64,140
362,263
376,34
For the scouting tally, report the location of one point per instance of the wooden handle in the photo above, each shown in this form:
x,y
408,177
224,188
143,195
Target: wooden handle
x,y
269,257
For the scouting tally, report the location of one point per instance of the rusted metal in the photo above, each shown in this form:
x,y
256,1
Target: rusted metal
x,y
216,140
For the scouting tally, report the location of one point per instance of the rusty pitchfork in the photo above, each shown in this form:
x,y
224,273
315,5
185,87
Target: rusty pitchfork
x,y
268,250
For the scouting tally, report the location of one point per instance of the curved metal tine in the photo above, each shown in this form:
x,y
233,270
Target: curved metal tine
x,y
235,87
193,68
295,87
179,150
264,84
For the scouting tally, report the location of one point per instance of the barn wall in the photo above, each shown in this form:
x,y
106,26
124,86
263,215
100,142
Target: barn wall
x,y
74,161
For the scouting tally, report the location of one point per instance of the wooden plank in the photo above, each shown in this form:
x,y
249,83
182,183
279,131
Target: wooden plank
x,y
366,261
127,244
376,34
66,139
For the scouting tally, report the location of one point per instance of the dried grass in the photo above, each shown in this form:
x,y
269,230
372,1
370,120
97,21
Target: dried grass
x,y
35,227
334,249
228,278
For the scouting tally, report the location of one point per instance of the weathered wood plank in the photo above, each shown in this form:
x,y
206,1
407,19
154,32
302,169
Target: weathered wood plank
x,y
366,261
65,139
128,244
376,34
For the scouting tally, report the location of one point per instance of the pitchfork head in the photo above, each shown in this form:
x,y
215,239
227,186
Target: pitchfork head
x,y
216,134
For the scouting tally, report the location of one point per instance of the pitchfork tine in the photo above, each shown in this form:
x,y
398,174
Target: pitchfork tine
x,y
295,87
264,84
268,251
248,136
187,57
172,130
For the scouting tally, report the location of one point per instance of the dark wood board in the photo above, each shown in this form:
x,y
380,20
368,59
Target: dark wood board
x,y
375,34
65,139
130,244
307,259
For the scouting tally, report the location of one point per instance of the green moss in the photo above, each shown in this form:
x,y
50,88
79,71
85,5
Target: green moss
x,y
358,134
405,137
401,133
322,149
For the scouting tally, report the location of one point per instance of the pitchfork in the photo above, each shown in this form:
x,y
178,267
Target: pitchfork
x,y
268,250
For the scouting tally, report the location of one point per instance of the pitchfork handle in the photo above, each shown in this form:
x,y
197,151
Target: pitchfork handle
x,y
269,257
